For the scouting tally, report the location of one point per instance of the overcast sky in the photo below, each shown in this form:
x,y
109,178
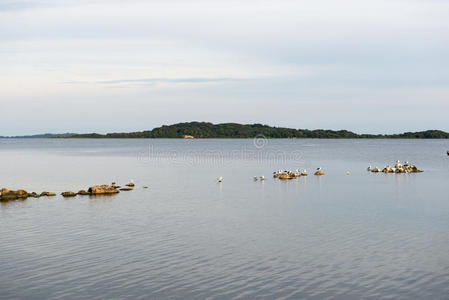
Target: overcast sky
x,y
378,66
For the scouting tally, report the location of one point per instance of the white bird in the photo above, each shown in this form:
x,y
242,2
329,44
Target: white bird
x,y
304,172
369,168
318,169
255,178
347,172
220,179
262,177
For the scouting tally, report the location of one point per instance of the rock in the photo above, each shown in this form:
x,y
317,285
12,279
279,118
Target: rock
x,y
126,189
145,187
102,190
83,192
68,194
131,184
286,176
398,168
319,173
388,169
34,195
48,194
13,195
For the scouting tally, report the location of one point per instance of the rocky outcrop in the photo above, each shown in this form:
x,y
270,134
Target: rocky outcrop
x,y
102,190
319,173
83,192
6,194
285,175
398,168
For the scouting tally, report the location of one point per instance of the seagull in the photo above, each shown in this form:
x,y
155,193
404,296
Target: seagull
x,y
369,168
262,177
220,179
318,169
255,178
347,172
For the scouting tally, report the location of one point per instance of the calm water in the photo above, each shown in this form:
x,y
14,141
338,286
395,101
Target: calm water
x,y
357,236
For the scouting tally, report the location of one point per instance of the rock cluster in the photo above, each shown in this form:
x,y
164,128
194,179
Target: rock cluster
x,y
286,174
104,189
6,194
398,168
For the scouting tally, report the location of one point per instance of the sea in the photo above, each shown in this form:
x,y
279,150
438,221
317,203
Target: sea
x,y
181,234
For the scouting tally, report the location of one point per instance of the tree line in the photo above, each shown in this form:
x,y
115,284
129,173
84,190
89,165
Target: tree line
x,y
234,130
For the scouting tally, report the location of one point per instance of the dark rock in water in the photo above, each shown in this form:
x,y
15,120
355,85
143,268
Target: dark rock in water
x,y
83,192
145,187
6,194
48,194
102,190
68,194
131,184
126,189
34,195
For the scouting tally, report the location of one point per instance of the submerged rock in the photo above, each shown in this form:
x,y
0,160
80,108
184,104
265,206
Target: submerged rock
x,y
68,194
319,173
126,189
83,192
102,190
34,195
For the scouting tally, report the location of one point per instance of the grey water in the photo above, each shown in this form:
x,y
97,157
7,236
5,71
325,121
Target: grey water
x,y
338,236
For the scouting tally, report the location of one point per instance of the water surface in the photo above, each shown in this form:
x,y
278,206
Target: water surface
x,y
363,235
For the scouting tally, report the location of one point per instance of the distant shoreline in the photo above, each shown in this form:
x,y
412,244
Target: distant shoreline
x,y
204,130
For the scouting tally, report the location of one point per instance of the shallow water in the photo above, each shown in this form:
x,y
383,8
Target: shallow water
x,y
363,235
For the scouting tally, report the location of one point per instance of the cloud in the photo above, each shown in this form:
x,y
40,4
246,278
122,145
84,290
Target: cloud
x,y
169,80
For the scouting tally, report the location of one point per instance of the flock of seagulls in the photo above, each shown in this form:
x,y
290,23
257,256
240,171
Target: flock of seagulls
x,y
398,168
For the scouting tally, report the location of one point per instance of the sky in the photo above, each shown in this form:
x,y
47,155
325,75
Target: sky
x,y
369,66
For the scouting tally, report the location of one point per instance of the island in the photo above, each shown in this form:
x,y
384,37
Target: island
x,y
203,130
